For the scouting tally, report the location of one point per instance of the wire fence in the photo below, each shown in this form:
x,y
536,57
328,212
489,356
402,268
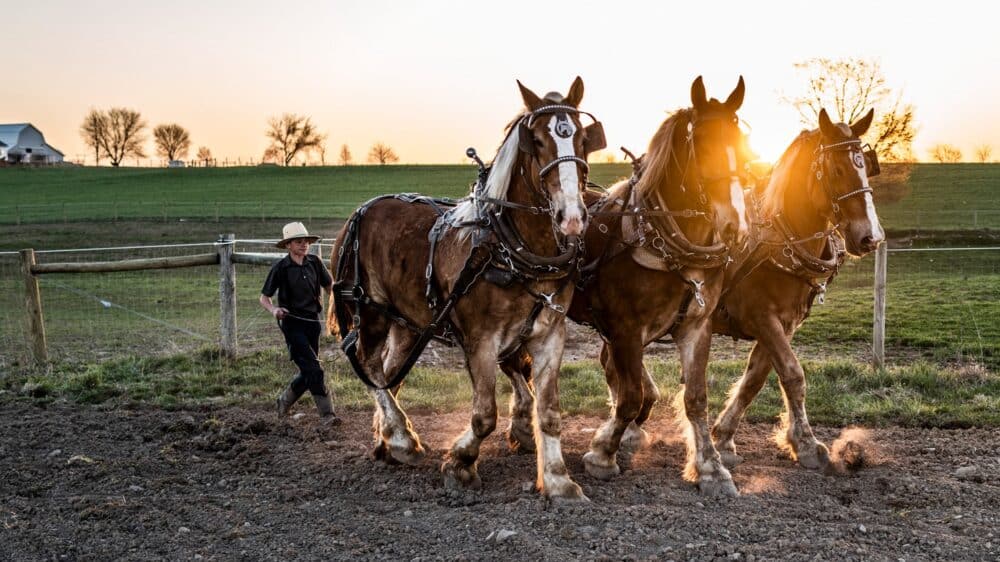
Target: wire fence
x,y
943,306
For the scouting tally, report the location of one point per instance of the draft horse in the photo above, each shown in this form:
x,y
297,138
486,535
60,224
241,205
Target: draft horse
x,y
493,274
816,203
656,253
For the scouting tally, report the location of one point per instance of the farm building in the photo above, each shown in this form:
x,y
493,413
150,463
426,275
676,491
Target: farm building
x,y
22,143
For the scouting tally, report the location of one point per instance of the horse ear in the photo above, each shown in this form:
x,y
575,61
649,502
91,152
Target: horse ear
x,y
531,100
860,126
698,97
575,95
735,99
826,127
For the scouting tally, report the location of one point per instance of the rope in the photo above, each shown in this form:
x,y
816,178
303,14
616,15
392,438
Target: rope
x,y
109,304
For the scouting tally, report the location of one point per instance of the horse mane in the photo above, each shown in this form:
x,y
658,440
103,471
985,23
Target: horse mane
x,y
498,182
786,174
656,163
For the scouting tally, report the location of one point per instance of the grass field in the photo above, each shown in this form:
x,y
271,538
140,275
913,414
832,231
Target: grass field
x,y
840,392
54,194
937,196
138,344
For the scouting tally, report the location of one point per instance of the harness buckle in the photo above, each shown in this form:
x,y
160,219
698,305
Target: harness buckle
x,y
547,301
697,285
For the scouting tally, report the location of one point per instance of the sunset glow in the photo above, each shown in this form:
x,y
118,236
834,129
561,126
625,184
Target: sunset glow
x,y
431,78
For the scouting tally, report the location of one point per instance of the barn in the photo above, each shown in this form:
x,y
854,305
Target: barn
x,y
23,143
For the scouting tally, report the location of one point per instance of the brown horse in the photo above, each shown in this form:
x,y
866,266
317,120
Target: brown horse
x,y
818,188
658,247
493,274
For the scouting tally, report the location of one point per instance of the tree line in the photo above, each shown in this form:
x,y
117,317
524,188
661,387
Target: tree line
x,y
120,132
847,88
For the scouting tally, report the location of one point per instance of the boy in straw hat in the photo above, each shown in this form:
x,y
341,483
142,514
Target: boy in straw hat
x,y
298,278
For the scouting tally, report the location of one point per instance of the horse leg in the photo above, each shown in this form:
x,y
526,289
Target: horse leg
x,y
703,465
553,478
520,434
626,356
635,437
741,395
395,437
797,438
459,468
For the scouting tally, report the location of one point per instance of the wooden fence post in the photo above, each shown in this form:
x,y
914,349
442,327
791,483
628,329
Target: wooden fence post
x,y
878,329
33,305
227,296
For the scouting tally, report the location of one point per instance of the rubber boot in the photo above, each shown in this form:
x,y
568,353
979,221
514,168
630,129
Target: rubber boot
x,y
325,408
286,400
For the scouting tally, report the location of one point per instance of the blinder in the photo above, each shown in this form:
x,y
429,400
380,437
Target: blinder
x,y
595,137
871,161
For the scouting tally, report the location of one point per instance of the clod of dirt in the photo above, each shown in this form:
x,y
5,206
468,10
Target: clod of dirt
x,y
850,452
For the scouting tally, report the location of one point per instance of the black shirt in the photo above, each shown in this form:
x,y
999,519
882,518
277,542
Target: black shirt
x,y
298,286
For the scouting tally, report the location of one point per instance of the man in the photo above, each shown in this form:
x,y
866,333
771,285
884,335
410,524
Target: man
x,y
298,278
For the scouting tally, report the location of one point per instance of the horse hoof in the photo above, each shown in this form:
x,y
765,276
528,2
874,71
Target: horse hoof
x,y
717,488
519,443
818,460
568,493
730,459
380,452
634,439
599,469
458,477
407,455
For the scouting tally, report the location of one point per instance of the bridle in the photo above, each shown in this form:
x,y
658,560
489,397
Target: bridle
x,y
801,263
525,136
862,156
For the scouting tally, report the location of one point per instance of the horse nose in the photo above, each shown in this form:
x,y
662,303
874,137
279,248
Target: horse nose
x,y
869,243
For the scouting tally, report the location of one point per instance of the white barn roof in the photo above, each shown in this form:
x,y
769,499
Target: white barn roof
x,y
17,136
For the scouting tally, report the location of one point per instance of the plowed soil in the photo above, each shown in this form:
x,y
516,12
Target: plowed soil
x,y
85,483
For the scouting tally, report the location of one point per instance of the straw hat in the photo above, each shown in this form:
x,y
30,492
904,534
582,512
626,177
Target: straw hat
x,y
294,230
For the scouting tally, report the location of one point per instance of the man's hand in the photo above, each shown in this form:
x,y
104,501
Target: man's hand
x,y
279,312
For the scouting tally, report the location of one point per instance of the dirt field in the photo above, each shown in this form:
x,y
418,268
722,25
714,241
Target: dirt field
x,y
87,483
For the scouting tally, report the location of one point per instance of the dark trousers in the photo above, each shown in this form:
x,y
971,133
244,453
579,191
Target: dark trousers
x,y
302,337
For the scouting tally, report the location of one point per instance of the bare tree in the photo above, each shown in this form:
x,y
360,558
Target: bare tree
x,y
848,88
945,153
291,134
204,155
321,150
983,153
123,135
345,156
382,154
172,141
93,130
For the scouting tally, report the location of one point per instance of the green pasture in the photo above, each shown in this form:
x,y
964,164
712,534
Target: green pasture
x,y
947,196
935,197
70,194
840,392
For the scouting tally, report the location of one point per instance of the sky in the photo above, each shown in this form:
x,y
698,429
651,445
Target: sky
x,y
431,78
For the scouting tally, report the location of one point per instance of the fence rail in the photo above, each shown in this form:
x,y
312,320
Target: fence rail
x,y
224,256
939,304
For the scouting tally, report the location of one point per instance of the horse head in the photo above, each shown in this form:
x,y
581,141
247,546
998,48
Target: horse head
x,y
717,150
555,146
842,167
